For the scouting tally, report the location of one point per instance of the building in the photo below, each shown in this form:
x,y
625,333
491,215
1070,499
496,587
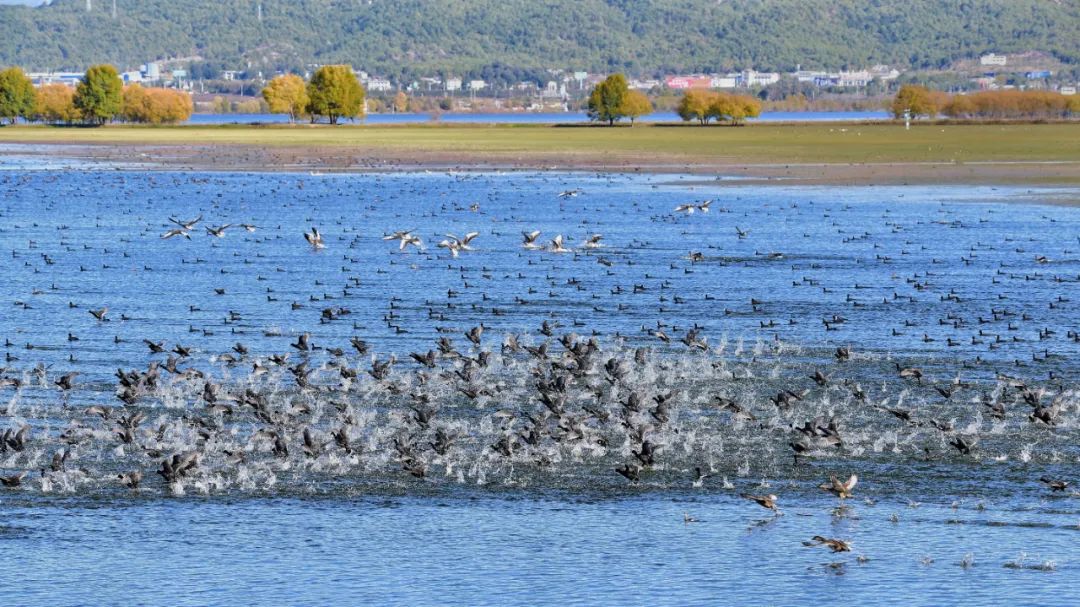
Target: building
x,y
453,84
749,78
1067,90
151,72
688,82
67,78
992,59
477,85
379,84
131,77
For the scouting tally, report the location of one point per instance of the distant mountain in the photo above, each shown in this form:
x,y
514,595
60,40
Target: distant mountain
x,y
502,39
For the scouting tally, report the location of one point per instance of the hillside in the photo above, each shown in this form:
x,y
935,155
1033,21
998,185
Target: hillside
x,y
496,39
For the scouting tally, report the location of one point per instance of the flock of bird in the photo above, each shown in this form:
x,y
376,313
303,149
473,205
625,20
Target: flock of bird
x,y
496,359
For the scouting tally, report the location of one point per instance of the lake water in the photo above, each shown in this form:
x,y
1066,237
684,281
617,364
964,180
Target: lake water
x,y
484,473
533,118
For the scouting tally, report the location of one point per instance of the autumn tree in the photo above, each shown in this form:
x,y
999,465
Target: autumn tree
x,y
99,97
155,105
335,93
56,103
606,99
17,95
918,100
734,108
220,105
635,105
960,106
401,102
695,104
287,95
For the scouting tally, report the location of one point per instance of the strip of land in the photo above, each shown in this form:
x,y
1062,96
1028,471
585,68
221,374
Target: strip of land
x,y
826,153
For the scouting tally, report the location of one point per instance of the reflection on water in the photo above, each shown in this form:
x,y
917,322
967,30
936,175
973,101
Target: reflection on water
x,y
362,423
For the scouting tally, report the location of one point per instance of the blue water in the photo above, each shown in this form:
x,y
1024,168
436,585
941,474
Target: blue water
x,y
532,117
974,285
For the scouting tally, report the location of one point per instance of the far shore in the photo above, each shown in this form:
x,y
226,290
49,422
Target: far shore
x,y
806,153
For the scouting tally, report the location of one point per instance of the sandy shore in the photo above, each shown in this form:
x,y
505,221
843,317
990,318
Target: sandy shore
x,y
235,157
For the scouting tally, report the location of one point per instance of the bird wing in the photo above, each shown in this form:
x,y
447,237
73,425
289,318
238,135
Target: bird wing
x,y
851,482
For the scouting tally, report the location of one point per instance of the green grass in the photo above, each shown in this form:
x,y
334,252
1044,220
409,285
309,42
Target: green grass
x,y
757,144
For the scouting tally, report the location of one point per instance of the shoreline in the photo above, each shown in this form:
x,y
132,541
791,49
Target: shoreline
x,y
851,153
726,172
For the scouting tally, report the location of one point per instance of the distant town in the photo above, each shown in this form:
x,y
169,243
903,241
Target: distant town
x,y
230,90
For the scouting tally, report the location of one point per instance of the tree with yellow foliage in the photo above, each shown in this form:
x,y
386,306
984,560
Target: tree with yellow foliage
x,y
635,105
155,105
734,108
695,104
918,100
56,104
401,102
287,95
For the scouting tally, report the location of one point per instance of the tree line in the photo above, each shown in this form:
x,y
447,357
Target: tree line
x,y
332,93
1009,104
99,98
612,100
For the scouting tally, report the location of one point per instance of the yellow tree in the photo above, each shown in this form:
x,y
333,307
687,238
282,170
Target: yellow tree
x,y
135,104
56,103
726,106
220,105
695,105
401,102
287,95
635,105
918,100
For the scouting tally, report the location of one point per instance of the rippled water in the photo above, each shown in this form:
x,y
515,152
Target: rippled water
x,y
975,286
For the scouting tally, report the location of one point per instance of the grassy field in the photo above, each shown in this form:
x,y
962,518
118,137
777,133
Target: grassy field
x,y
757,144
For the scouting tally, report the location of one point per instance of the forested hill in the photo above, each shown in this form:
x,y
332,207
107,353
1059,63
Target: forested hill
x,y
477,37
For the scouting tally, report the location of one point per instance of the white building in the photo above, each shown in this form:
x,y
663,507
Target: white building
x,y
751,78
1068,90
151,72
379,84
453,84
992,59
67,78
477,85
854,79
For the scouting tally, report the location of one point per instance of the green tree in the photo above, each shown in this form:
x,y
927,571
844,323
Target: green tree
x,y
335,93
17,95
287,95
100,94
919,100
635,105
606,99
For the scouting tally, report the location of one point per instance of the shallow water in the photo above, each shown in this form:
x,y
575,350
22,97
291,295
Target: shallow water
x,y
532,117
962,282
